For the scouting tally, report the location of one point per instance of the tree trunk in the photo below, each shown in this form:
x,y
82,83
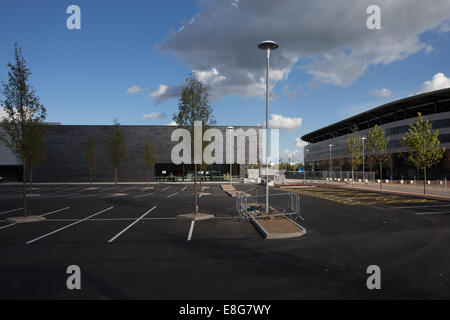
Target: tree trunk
x,y
381,176
115,179
353,175
24,182
195,190
31,180
424,179
90,176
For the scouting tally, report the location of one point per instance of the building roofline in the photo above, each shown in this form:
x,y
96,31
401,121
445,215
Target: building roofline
x,y
380,111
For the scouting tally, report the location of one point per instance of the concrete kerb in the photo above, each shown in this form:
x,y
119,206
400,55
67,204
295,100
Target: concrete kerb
x,y
27,219
196,217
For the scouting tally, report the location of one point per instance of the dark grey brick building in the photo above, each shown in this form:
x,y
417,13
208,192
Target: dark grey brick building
x,y
66,144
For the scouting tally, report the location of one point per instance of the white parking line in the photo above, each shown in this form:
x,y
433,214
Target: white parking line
x,y
8,225
87,195
165,189
432,212
184,188
68,226
59,210
132,224
142,195
13,210
191,229
128,188
172,195
431,206
113,219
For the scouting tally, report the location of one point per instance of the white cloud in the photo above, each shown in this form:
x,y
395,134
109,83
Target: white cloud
x,y
172,123
429,49
159,92
165,92
382,93
235,3
328,37
299,143
281,122
136,89
439,81
295,155
154,115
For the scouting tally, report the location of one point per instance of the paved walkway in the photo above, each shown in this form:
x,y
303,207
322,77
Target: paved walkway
x,y
432,191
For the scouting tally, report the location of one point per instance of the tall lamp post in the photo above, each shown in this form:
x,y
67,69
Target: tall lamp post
x,y
364,159
231,153
330,145
267,45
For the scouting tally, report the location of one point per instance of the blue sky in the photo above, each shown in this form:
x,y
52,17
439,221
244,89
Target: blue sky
x,y
329,65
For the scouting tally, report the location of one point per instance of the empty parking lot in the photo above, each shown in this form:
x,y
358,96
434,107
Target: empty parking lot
x,y
134,246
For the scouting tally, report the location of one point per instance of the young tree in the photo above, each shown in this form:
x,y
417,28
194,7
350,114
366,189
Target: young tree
x,y
23,111
34,147
116,148
423,146
354,147
149,156
377,142
193,105
90,157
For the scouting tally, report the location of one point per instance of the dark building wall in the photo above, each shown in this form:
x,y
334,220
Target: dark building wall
x,y
63,160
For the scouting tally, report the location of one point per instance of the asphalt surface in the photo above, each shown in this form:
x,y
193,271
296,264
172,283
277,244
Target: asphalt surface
x,y
162,257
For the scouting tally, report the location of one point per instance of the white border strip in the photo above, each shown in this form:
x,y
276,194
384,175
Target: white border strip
x,y
70,225
132,224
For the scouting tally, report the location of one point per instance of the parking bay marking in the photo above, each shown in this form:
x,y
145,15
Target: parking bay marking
x,y
13,210
432,212
165,189
172,195
132,224
49,213
191,229
184,188
143,195
68,226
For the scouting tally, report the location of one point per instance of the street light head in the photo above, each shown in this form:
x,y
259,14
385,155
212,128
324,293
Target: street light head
x,y
330,145
268,44
363,138
230,127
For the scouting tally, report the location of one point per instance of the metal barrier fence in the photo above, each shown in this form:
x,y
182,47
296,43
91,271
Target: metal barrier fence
x,y
285,204
330,175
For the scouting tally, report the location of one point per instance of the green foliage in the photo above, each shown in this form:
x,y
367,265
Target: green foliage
x,y
34,143
354,147
23,109
193,105
378,143
115,145
422,144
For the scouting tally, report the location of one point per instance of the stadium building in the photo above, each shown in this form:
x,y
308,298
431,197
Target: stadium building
x,y
394,118
65,149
